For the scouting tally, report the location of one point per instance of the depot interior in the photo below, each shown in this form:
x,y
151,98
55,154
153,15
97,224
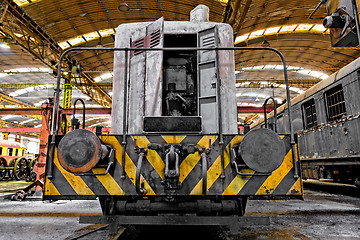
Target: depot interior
x,y
33,35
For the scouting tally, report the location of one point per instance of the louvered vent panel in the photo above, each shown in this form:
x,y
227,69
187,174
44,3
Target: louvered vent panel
x,y
155,38
140,43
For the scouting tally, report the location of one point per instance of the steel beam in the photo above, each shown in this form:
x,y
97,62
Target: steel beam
x,y
11,86
7,98
10,100
235,13
17,25
69,111
246,109
249,119
20,111
37,111
38,130
4,130
20,130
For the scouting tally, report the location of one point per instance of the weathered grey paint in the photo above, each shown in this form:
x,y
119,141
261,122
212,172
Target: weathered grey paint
x,y
137,110
336,139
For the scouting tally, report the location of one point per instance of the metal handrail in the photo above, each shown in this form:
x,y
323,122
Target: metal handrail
x,y
74,110
265,113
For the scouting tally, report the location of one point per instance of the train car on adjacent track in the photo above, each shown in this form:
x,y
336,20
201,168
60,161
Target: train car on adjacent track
x,y
326,120
13,163
174,153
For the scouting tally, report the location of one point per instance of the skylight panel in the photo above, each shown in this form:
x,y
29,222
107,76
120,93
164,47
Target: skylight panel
x,y
288,28
242,38
271,30
304,27
256,33
23,2
103,77
27,70
318,28
247,68
283,29
97,79
223,1
27,121
106,32
64,45
304,71
91,36
76,41
88,37
18,92
38,104
8,117
269,66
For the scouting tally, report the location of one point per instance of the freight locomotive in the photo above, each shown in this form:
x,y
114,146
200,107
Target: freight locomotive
x,y
326,119
174,155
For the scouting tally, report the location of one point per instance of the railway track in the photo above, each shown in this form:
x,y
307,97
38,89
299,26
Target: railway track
x,y
96,231
322,215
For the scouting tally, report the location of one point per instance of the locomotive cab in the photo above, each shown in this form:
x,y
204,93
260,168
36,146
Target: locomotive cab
x,y
173,87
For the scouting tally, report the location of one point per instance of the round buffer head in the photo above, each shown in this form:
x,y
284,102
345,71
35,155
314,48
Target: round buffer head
x,y
79,151
262,150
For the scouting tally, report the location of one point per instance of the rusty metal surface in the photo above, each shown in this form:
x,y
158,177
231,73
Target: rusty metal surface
x,y
79,151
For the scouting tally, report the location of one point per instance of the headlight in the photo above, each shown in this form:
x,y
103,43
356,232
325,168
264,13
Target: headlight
x,y
333,22
262,150
79,151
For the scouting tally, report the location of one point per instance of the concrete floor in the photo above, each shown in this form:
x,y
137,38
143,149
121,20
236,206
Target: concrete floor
x,y
321,216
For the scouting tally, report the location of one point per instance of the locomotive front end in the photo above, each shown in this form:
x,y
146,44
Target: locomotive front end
x,y
174,146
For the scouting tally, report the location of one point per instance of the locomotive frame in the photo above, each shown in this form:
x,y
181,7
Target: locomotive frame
x,y
177,174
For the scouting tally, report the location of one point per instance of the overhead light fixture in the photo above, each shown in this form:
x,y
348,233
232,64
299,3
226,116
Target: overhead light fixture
x,y
123,7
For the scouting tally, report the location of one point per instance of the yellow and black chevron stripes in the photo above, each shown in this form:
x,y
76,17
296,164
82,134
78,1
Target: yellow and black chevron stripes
x,y
280,183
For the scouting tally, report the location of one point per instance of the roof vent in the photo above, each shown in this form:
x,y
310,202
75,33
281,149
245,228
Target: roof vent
x,y
199,14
